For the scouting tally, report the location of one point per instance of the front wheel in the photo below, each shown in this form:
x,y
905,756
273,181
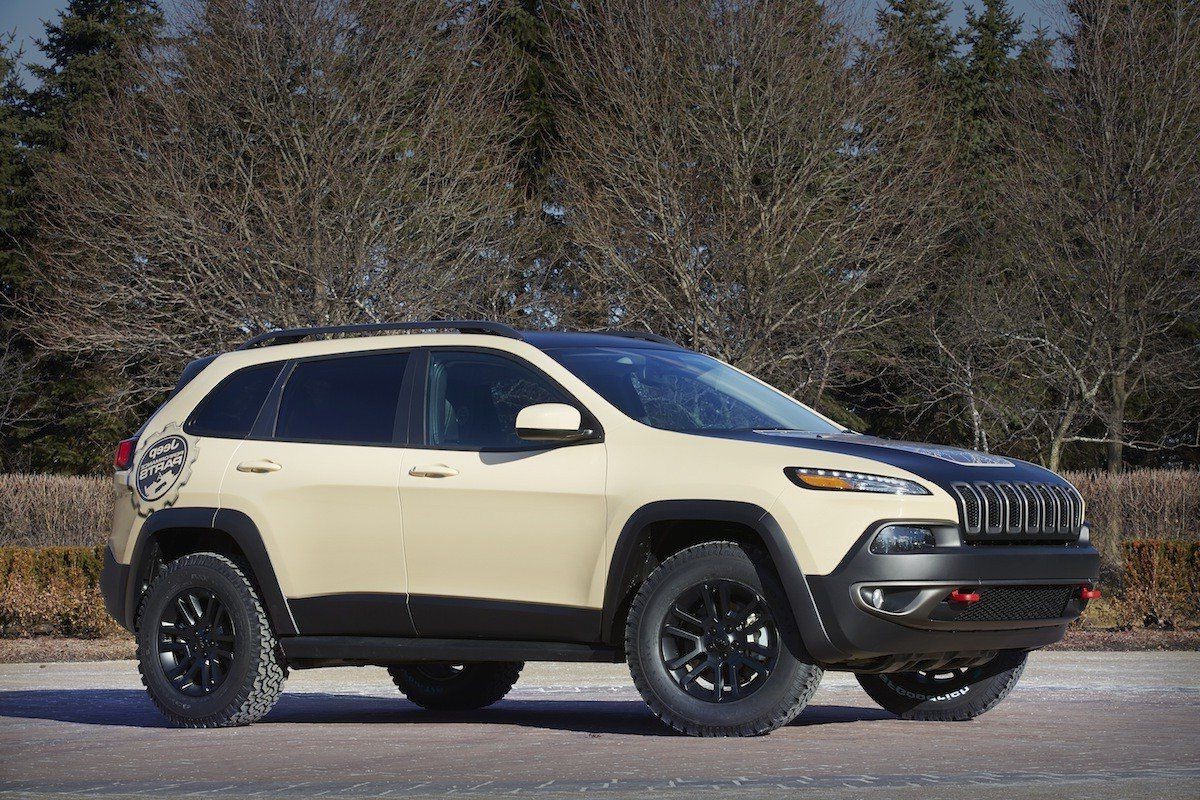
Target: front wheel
x,y
713,647
949,695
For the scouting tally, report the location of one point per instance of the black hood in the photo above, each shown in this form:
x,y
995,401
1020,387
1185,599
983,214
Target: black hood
x,y
939,464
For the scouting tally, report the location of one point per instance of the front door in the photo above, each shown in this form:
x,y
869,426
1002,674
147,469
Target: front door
x,y
503,537
321,485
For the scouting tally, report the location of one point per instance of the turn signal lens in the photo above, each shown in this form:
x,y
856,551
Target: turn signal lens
x,y
837,480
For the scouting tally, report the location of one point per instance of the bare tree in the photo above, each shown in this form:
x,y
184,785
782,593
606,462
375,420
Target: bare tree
x,y
281,163
737,179
1104,197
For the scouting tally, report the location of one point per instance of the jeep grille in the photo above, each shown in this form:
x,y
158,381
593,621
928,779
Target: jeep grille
x,y
1015,512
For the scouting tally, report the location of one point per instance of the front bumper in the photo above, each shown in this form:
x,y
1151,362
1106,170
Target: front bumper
x,y
1029,594
114,586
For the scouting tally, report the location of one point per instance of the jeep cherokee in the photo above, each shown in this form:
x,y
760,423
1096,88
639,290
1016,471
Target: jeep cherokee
x,y
452,499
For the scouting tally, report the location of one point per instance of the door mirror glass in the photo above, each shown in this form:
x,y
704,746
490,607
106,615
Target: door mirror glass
x,y
551,422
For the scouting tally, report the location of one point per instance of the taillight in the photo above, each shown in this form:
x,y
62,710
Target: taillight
x,y
124,457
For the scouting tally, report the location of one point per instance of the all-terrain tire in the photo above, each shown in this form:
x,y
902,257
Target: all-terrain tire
x,y
786,687
956,697
256,672
456,687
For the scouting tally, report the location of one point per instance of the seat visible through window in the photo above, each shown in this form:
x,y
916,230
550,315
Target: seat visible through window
x,y
473,400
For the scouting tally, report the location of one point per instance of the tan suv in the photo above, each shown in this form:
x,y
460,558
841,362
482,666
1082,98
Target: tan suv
x,y
452,499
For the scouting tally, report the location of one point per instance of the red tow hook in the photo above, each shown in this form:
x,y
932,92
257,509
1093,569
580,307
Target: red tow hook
x,y
1089,593
968,597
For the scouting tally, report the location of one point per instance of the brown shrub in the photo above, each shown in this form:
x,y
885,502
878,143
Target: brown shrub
x,y
54,510
52,591
1148,504
1162,580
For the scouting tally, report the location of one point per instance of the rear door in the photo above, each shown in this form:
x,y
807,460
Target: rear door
x,y
319,476
502,536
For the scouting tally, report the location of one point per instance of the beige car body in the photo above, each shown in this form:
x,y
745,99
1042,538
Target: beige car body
x,y
533,527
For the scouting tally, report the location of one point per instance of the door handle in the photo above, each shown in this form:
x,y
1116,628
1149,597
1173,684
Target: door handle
x,y
433,471
259,467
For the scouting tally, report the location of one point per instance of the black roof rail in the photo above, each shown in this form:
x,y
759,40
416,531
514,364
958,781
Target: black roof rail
x,y
645,336
292,335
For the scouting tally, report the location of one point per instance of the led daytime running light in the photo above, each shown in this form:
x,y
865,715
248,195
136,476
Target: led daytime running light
x,y
837,480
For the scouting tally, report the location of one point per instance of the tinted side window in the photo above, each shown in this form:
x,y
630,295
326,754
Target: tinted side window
x,y
472,400
351,399
230,409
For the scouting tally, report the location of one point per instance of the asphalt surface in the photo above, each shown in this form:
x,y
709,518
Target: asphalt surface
x,y
1088,725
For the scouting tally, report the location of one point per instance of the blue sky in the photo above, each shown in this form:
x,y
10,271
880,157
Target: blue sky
x,y
23,17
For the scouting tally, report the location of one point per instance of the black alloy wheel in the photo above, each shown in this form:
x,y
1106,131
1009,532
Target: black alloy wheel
x,y
196,642
719,642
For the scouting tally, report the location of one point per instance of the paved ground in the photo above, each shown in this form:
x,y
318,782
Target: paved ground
x,y
1094,725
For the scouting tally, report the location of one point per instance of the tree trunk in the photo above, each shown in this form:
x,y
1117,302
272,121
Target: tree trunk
x,y
1116,425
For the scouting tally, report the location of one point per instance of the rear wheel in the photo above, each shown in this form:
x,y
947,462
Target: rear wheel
x,y
206,652
949,695
712,645
456,687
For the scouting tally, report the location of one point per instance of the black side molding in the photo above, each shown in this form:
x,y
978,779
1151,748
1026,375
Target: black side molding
x,y
321,650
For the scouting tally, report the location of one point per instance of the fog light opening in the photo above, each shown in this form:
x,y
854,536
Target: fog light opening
x,y
903,539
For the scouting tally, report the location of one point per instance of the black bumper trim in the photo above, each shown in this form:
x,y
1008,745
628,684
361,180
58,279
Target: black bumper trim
x,y
114,585
860,634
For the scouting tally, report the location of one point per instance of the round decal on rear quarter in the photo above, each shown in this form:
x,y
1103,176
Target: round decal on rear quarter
x,y
161,468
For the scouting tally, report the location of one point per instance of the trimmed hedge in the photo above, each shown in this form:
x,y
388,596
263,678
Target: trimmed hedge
x,y
53,591
1162,580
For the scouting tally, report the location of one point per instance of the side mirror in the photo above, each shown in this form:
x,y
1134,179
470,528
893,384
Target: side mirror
x,y
551,422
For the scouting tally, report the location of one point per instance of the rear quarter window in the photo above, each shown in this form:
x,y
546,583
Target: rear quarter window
x,y
229,410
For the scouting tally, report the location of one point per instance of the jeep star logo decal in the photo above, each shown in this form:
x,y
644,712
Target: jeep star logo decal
x,y
162,468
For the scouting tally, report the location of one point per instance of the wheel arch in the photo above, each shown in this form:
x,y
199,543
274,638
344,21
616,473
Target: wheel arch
x,y
659,529
173,532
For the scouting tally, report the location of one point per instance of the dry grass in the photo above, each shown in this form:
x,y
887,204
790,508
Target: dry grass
x,y
47,649
1148,504
54,510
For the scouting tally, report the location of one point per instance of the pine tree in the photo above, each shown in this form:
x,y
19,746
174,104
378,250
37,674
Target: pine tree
x,y
14,168
85,50
917,32
989,68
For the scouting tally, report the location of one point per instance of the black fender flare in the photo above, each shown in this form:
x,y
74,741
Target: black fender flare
x,y
238,527
629,551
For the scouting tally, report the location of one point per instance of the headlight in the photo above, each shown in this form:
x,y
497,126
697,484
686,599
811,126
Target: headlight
x,y
902,539
837,480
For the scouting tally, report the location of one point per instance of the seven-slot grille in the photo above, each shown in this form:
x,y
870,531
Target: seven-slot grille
x,y
1019,511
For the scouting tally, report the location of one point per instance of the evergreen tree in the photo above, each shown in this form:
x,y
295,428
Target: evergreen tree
x,y
988,69
14,168
916,31
85,49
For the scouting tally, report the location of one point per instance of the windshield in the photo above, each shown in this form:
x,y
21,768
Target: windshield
x,y
677,390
